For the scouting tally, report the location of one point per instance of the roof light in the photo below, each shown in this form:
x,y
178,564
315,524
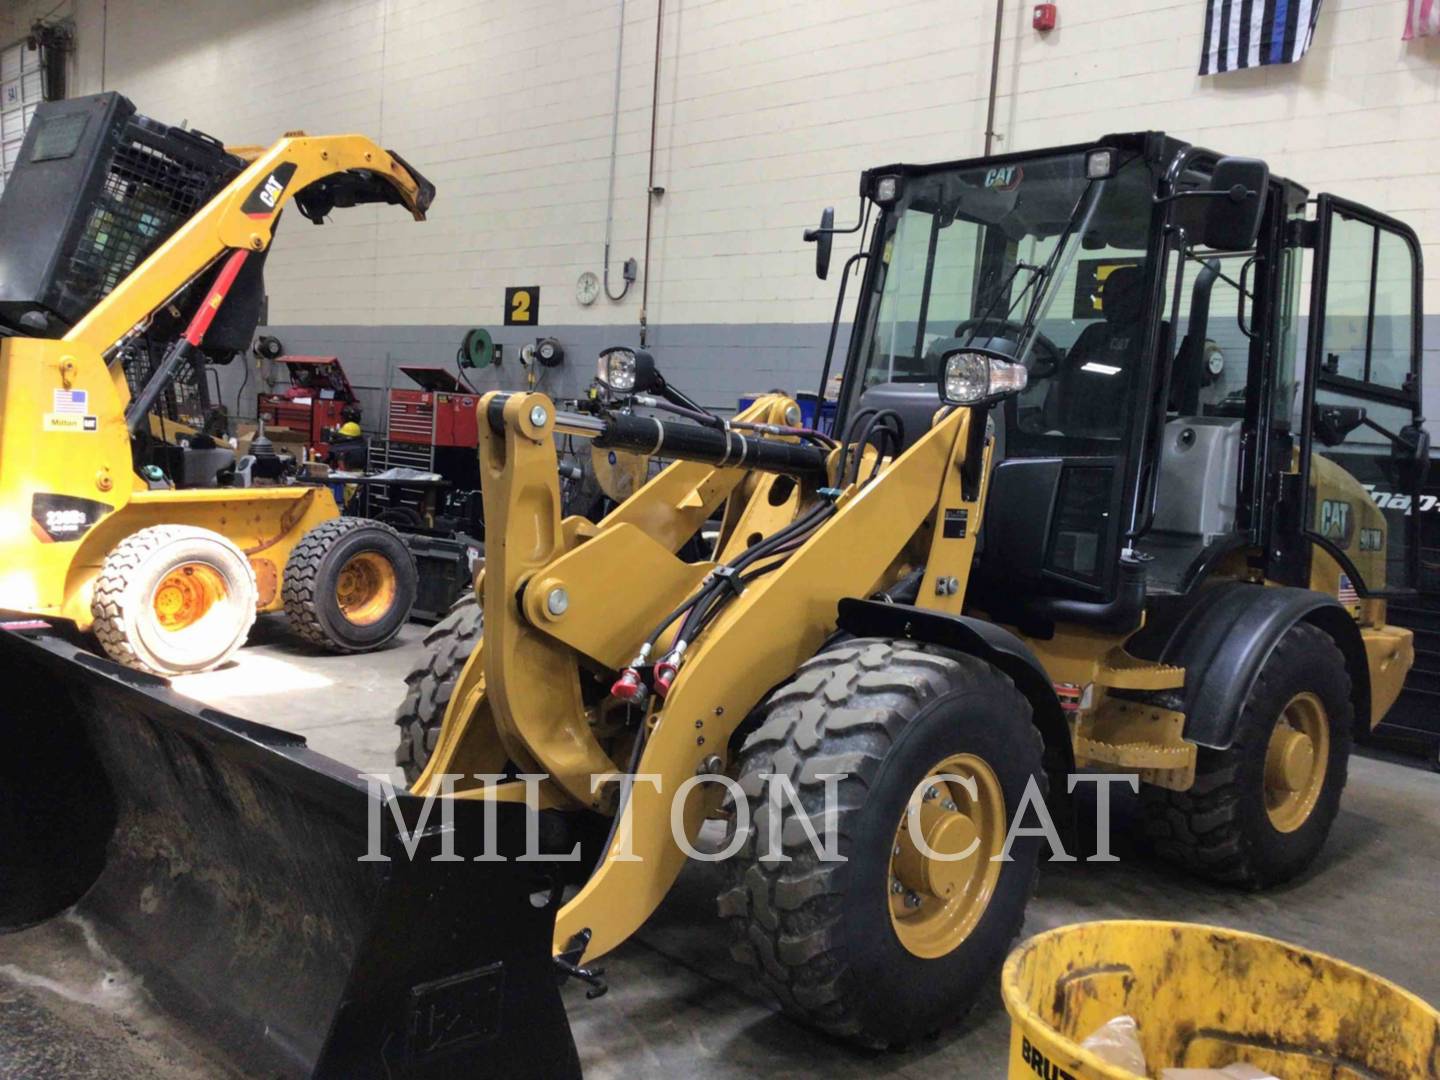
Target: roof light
x,y
887,190
1099,164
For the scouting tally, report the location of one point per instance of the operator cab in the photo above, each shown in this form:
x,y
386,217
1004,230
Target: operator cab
x,y
1151,289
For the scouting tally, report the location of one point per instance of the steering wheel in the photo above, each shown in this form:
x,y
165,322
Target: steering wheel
x,y
1045,356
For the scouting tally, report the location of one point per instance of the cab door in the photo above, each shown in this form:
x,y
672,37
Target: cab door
x,y
1363,451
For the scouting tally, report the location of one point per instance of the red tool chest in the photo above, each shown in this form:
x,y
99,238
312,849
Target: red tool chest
x,y
318,393
441,412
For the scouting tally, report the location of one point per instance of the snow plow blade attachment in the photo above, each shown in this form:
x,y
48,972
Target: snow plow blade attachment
x,y
218,864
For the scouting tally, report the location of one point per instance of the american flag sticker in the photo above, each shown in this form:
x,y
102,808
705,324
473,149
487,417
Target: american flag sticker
x,y
1347,594
72,401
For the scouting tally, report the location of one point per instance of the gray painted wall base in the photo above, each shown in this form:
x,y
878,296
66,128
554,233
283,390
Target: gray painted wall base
x,y
715,363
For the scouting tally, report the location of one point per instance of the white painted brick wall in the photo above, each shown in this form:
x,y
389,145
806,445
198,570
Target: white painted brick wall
x,y
768,111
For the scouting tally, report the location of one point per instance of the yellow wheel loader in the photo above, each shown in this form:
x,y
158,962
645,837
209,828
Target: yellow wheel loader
x,y
1128,533
151,543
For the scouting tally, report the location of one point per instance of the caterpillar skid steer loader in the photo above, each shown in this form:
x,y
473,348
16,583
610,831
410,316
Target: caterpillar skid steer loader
x,y
196,888
130,255
1128,533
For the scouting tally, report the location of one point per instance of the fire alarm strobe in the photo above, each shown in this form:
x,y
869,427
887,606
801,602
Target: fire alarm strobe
x,y
1044,17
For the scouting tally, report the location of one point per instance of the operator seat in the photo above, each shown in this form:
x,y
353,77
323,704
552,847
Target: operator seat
x,y
1087,396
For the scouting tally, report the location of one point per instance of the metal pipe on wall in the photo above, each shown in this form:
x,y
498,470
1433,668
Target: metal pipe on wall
x,y
994,77
650,191
614,152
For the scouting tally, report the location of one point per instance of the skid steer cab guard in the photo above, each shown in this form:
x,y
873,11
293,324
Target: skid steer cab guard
x,y
261,894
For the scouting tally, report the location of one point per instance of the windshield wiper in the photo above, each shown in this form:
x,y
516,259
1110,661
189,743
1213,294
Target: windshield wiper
x,y
1040,276
1037,273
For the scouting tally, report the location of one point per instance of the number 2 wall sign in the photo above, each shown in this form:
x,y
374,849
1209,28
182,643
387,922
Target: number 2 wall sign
x,y
522,305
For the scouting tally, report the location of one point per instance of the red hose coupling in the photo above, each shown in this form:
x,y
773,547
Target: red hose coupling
x,y
665,673
628,686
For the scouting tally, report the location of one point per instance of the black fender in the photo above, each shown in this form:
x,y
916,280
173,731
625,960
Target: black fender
x,y
988,641
1225,636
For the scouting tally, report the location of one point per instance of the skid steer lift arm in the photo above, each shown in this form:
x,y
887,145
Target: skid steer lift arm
x,y
318,173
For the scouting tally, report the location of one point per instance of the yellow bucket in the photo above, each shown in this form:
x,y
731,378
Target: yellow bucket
x,y
1205,997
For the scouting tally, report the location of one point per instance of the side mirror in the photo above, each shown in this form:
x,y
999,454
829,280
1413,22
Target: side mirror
x,y
1333,422
627,371
824,240
975,376
1412,456
1238,186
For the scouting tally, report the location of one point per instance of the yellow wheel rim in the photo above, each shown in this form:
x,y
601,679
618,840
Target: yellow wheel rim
x,y
957,811
186,594
1296,762
365,589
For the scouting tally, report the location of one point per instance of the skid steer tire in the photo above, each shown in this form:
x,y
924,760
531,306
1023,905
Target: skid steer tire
x,y
349,585
173,599
1240,824
824,936
431,682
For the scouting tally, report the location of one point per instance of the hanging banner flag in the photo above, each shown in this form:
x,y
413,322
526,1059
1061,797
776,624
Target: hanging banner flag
x,y
1422,19
1253,33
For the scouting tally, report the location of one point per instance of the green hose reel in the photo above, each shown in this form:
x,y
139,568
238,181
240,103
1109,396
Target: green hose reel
x,y
477,349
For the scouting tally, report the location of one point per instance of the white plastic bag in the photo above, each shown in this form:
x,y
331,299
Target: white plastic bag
x,y
1238,1071
1118,1043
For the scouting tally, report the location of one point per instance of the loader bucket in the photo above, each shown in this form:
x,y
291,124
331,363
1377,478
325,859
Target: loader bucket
x,y
218,863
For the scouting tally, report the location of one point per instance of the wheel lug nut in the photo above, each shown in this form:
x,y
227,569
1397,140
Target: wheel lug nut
x,y
896,888
897,850
931,792
948,804
911,900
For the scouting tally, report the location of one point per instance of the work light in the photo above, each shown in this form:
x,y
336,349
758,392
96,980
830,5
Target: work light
x,y
887,190
1099,164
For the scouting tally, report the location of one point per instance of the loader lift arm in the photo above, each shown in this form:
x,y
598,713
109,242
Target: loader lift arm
x,y
520,695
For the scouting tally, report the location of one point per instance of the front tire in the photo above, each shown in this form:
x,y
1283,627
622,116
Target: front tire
x,y
349,585
882,948
1261,810
174,599
431,683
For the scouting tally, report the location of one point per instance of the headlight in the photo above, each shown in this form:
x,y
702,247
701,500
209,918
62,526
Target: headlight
x,y
616,369
627,371
972,376
967,378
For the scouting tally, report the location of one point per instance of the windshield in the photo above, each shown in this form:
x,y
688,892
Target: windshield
x,y
1028,258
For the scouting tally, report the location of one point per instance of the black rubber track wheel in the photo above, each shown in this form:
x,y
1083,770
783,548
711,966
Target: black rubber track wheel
x,y
818,933
431,682
1222,828
351,557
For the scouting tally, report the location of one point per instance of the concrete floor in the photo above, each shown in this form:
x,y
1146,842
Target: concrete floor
x,y
678,1005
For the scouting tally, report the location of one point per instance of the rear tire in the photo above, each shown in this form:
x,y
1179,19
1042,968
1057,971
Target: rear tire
x,y
349,585
174,599
1237,825
833,940
432,681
